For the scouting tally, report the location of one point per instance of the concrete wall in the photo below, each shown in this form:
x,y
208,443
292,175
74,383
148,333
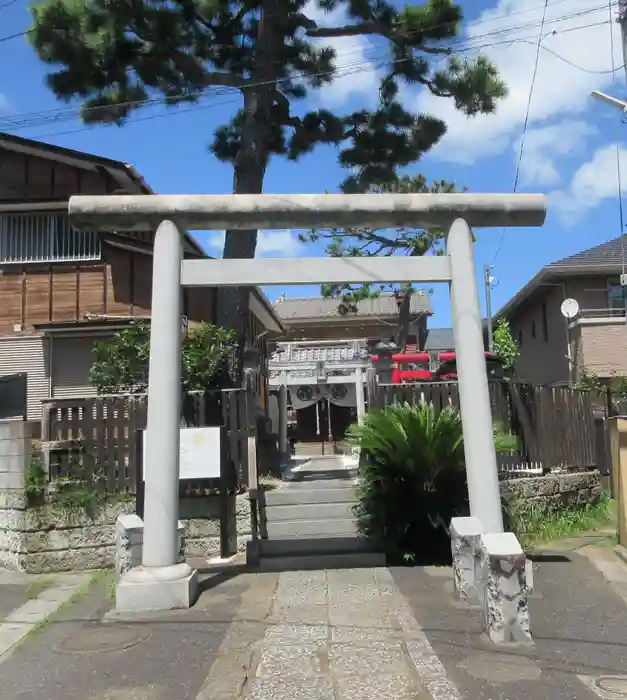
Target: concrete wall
x,y
556,491
542,355
47,538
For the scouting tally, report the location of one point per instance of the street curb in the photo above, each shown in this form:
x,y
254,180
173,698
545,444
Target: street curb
x,y
23,620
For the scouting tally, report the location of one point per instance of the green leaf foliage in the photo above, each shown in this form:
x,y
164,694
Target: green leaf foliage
x,y
505,347
413,478
121,364
119,56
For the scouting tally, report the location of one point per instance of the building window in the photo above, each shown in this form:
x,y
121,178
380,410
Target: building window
x,y
533,328
520,338
545,324
44,238
615,295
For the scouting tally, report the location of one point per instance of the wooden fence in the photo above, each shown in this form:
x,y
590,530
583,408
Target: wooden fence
x,y
95,439
554,425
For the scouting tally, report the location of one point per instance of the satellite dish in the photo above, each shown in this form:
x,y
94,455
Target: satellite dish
x,y
569,308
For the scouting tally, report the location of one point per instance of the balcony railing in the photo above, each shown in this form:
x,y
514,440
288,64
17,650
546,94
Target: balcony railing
x,y
311,352
600,313
45,238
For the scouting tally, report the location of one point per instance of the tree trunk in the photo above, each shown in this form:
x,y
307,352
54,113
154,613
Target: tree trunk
x,y
251,163
403,321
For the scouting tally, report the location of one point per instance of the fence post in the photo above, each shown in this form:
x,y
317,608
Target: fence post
x,y
45,437
618,444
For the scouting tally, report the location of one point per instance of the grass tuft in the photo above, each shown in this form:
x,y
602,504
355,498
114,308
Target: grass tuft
x,y
538,524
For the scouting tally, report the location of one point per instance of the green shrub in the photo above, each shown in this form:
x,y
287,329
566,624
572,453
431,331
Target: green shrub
x,y
413,478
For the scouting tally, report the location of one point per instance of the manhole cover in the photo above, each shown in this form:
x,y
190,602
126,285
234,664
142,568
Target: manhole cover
x,y
610,684
101,639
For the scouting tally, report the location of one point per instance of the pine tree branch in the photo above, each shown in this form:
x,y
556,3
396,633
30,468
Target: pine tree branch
x,y
373,27
361,29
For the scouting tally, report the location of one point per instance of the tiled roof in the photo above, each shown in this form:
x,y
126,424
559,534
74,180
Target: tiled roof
x,y
604,255
606,258
321,307
439,339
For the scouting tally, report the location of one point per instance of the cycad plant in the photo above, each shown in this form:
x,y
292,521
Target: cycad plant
x,y
413,478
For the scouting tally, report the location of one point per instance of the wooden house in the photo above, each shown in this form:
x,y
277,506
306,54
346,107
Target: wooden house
x,y
61,289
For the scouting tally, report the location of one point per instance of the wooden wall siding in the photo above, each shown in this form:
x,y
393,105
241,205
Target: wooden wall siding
x,y
26,178
121,286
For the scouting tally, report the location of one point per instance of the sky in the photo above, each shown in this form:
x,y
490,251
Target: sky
x,y
571,149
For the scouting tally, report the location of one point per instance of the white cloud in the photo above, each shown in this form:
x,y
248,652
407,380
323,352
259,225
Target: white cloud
x,y
546,145
592,183
357,73
561,90
270,244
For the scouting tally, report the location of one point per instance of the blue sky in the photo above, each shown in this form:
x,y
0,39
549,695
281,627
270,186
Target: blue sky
x,y
570,145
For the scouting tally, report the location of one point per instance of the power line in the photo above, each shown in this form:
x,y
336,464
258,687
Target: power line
x,y
526,122
7,4
32,119
619,179
356,67
14,36
572,15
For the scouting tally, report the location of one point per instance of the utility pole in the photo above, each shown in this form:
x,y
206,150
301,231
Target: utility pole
x,y
611,99
487,280
622,20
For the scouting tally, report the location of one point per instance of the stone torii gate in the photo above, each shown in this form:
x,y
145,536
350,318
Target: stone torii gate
x,y
161,582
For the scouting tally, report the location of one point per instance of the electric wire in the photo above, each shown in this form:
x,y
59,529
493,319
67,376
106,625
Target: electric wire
x,y
13,123
525,123
350,70
17,123
619,179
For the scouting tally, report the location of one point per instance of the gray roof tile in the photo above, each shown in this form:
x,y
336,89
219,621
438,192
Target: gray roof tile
x,y
439,340
321,307
604,255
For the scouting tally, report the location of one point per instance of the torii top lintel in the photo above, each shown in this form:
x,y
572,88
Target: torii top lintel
x,y
269,211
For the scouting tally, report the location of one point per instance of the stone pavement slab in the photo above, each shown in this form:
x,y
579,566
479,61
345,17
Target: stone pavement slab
x,y
337,635
578,622
160,656
353,634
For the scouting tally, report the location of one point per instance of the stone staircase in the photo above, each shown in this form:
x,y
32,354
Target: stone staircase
x,y
310,522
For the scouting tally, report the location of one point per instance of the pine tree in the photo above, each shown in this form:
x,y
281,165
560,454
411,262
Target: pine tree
x,y
118,56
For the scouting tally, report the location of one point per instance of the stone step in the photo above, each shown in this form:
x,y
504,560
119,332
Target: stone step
x,y
309,528
301,546
320,475
310,511
303,496
355,560
320,484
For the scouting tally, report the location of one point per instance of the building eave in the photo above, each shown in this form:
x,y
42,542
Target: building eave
x,y
548,273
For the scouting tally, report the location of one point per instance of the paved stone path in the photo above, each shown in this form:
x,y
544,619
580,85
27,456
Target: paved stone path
x,y
361,634
345,635
21,610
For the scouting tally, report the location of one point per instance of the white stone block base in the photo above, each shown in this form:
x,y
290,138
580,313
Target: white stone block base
x,y
504,569
161,588
466,550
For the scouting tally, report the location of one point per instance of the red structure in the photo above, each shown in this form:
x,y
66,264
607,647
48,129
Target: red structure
x,y
422,365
